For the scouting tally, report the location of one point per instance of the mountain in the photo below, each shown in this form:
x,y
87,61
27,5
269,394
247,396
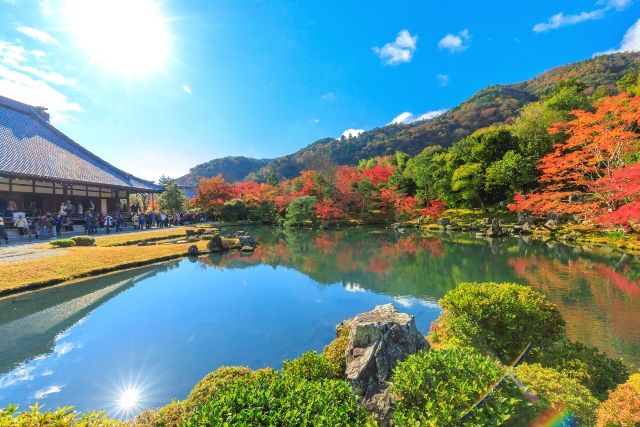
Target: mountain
x,y
232,168
493,105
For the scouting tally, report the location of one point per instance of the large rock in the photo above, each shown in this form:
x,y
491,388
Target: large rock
x,y
215,244
378,340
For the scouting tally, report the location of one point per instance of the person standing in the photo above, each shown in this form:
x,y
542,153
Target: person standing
x,y
11,208
142,221
22,224
136,221
3,232
118,221
59,223
108,222
88,222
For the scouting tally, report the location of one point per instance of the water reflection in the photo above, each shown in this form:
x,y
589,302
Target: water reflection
x,y
136,339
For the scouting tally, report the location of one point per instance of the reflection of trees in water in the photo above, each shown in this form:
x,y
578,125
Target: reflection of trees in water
x,y
598,291
589,293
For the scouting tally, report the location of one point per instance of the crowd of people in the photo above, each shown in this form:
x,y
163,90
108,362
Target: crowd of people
x,y
51,225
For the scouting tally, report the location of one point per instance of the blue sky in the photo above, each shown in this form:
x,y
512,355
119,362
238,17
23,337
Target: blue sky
x,y
205,79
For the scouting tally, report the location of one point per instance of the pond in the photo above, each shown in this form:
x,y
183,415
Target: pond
x,y
151,333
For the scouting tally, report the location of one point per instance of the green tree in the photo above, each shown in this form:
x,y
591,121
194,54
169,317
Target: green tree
x,y
468,183
301,211
172,199
629,83
510,174
273,180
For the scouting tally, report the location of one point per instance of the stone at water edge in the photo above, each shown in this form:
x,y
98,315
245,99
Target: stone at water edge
x,y
247,249
215,244
378,340
246,240
192,250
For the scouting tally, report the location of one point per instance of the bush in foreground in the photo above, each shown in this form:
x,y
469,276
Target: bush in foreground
x,y
84,240
310,366
591,367
62,243
556,390
282,400
336,352
500,318
622,408
438,387
62,417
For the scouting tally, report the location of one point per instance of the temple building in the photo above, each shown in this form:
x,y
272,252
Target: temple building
x,y
40,168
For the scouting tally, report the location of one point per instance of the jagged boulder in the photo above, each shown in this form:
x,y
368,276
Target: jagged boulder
x,y
378,340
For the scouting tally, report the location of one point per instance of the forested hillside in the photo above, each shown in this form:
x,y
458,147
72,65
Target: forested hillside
x,y
232,168
493,105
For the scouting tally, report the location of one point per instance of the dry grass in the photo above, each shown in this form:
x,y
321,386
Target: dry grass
x,y
85,261
136,237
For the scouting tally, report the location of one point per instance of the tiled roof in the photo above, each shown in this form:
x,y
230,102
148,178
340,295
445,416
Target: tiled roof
x,y
30,146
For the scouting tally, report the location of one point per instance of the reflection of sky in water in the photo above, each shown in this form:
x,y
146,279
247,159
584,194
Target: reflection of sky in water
x,y
154,341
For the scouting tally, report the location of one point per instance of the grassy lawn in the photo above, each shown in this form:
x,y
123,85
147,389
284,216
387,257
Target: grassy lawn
x,y
84,261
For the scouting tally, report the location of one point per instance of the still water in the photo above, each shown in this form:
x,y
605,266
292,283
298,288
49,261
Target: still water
x,y
151,333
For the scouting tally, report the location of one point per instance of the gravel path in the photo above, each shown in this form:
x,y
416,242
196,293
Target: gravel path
x,y
27,252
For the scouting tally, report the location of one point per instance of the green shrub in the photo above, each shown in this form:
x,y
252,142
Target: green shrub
x,y
437,387
284,400
234,210
555,389
594,369
501,318
84,240
301,211
336,353
622,408
170,415
214,381
61,417
310,366
62,243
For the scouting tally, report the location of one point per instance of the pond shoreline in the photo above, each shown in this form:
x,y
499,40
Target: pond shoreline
x,y
146,248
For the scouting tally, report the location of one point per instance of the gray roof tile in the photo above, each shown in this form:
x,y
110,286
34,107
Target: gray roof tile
x,y
31,146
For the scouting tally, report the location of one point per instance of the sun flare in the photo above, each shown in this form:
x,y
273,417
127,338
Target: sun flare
x,y
126,36
128,399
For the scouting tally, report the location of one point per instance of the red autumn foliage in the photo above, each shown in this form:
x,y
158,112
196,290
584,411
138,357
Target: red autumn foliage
x,y
326,210
212,193
590,174
435,209
378,174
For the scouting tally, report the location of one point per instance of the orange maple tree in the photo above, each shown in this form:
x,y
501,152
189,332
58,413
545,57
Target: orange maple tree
x,y
592,174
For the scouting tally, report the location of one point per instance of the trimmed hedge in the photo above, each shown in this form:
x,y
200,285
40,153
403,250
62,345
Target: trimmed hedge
x,y
283,400
594,369
62,243
500,318
84,240
310,366
555,389
439,387
622,408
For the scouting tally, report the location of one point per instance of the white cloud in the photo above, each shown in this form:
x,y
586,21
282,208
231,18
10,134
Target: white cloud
x,y
329,96
431,114
37,34
316,121
27,83
443,79
561,20
42,393
20,374
617,4
455,42
407,117
630,41
186,89
400,50
352,133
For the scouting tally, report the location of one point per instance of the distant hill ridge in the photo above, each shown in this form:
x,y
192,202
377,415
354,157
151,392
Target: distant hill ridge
x,y
493,105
